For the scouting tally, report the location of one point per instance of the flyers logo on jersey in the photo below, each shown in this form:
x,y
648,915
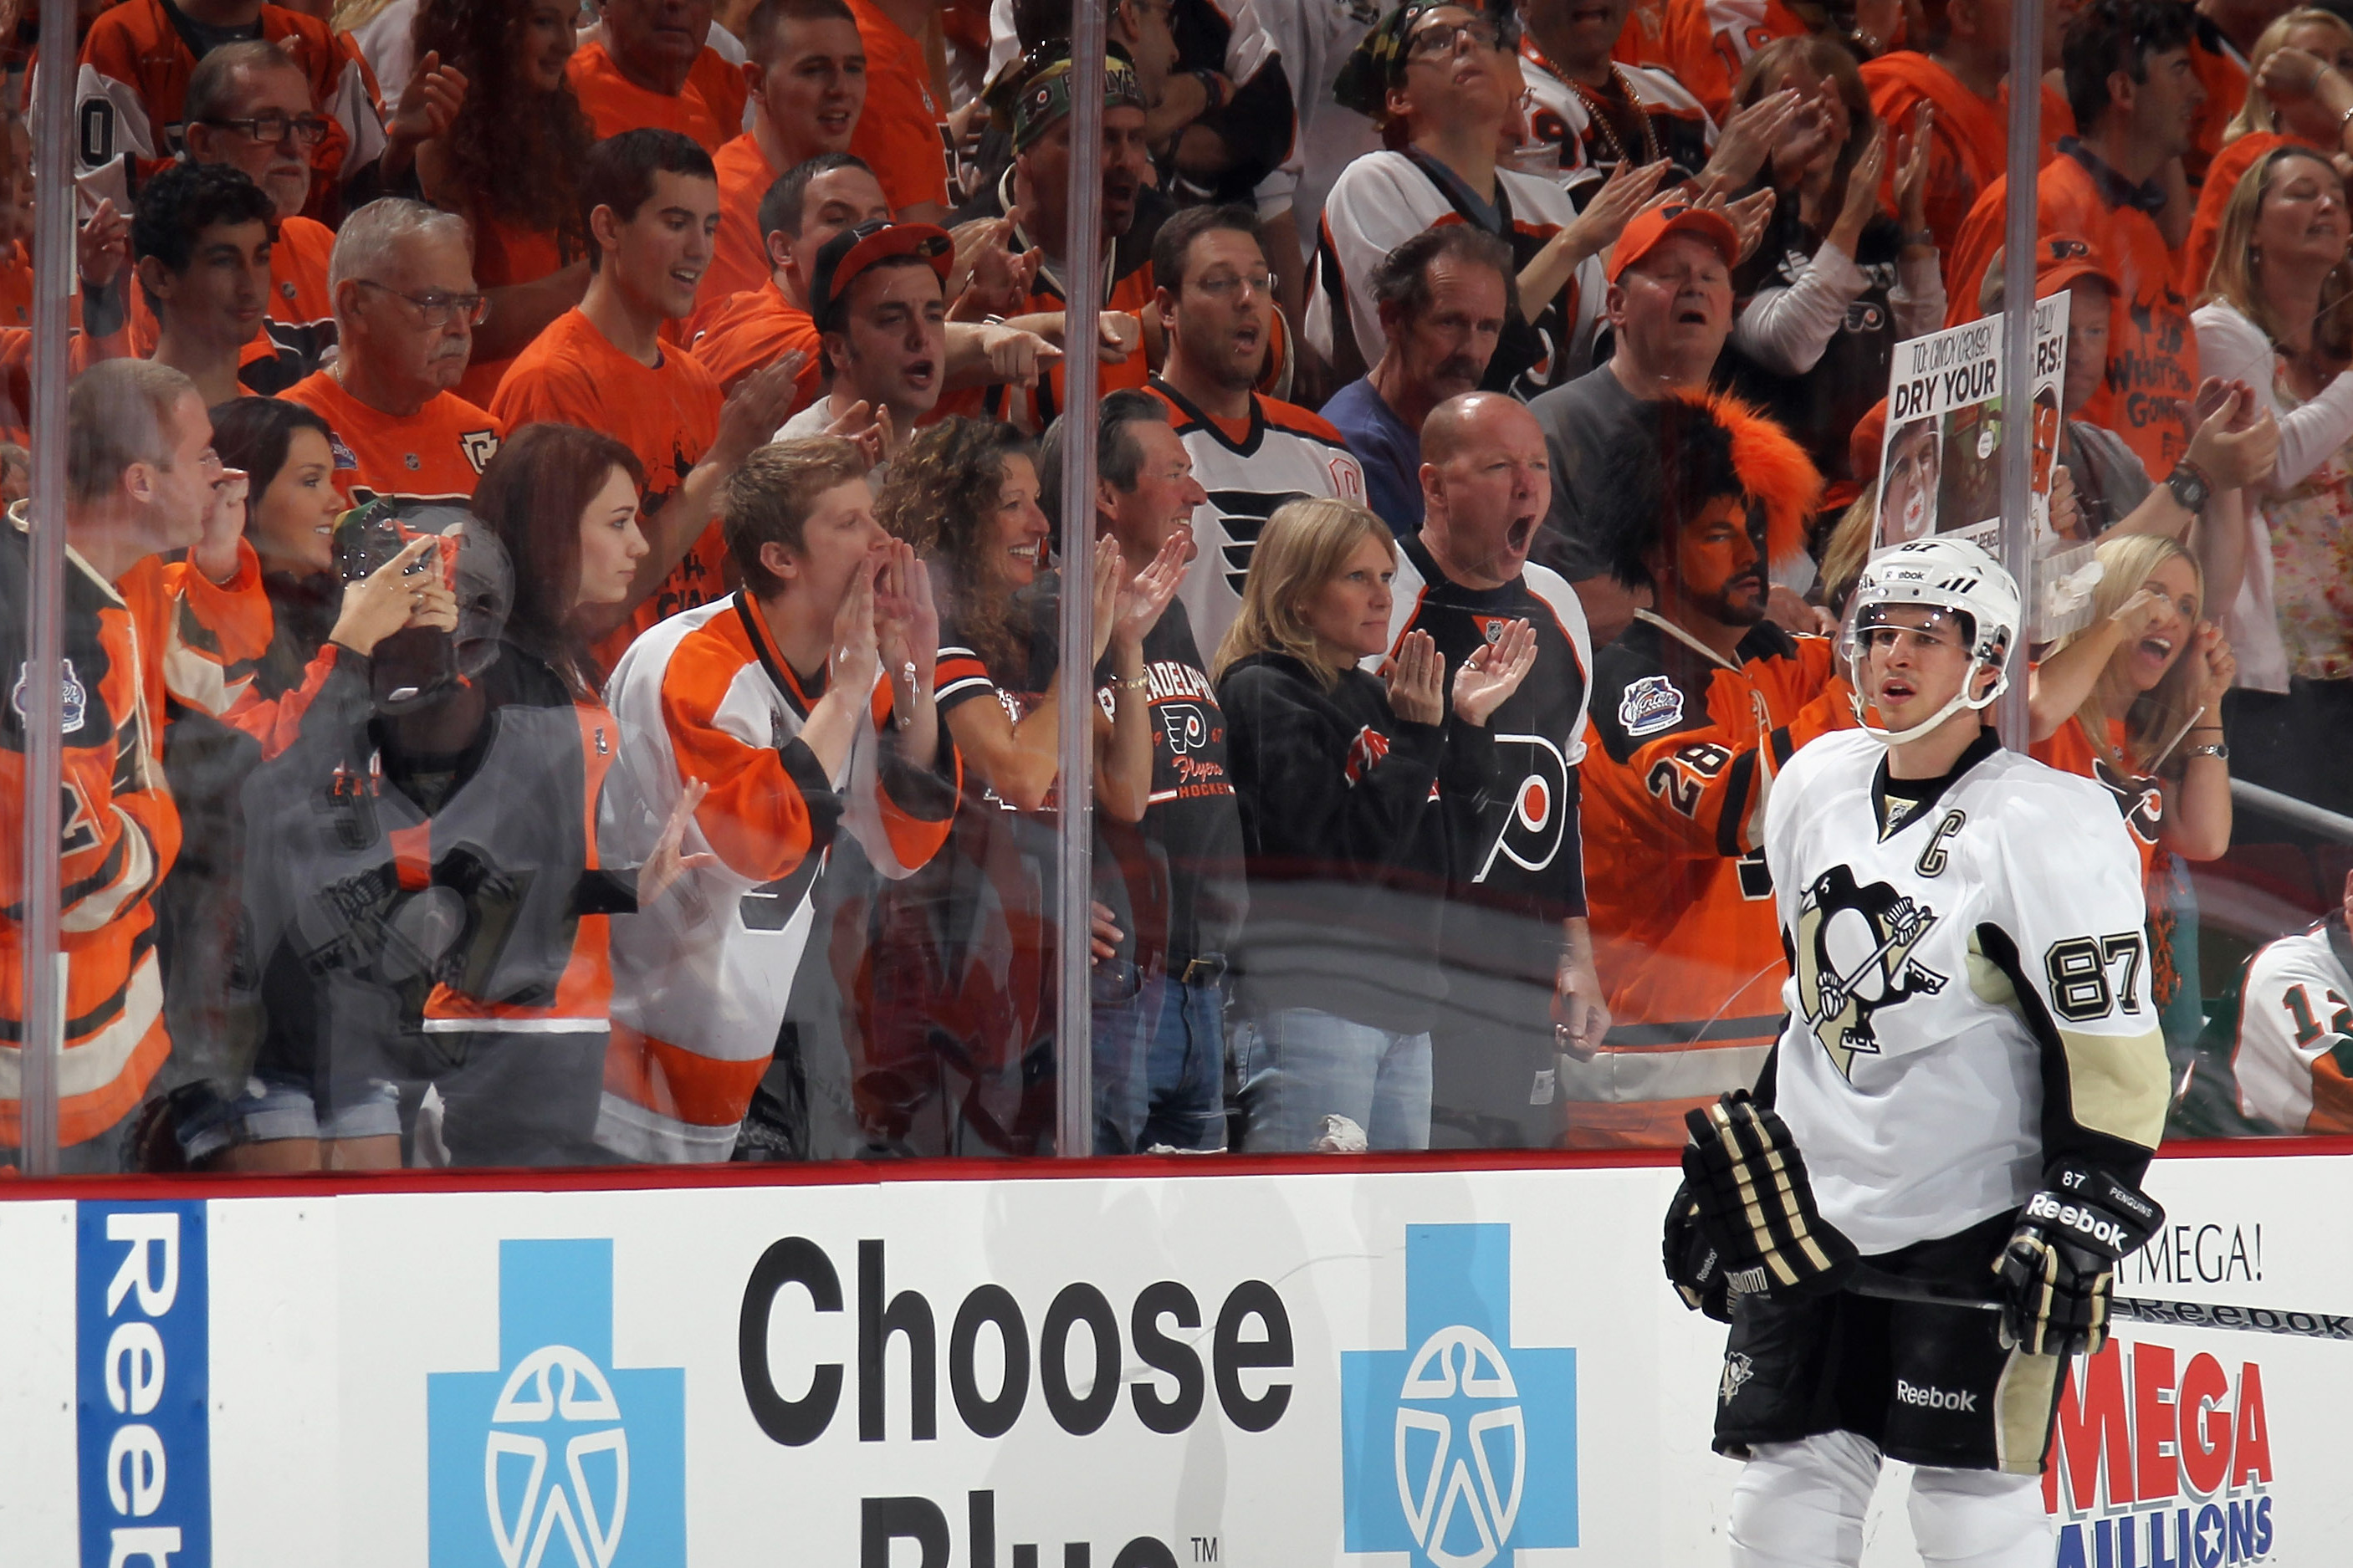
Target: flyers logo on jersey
x,y
2142,800
1365,751
1532,836
1854,956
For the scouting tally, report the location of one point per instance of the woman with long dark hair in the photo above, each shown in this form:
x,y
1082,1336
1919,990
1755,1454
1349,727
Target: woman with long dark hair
x,y
960,1051
1837,282
253,1101
510,164
507,767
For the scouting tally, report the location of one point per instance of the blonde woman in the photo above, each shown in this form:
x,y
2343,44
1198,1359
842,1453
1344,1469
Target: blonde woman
x,y
2278,314
1345,781
2298,95
2151,732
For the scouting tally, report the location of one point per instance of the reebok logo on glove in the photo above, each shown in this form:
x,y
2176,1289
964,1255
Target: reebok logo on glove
x,y
1936,1398
2088,1224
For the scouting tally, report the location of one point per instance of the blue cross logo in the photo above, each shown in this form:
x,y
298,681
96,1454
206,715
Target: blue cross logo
x,y
557,1459
1462,1447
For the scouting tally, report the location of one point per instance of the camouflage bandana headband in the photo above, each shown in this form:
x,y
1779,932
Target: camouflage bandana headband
x,y
1030,101
1377,63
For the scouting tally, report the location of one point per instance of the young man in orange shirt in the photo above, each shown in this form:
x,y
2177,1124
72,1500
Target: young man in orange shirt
x,y
2136,96
808,81
405,300
200,240
653,206
650,70
1961,67
805,208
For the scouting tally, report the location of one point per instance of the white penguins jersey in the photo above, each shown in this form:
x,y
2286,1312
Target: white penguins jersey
x,y
1969,998
2293,1059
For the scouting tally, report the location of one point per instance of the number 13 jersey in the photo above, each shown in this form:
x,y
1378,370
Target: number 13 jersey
x,y
1968,991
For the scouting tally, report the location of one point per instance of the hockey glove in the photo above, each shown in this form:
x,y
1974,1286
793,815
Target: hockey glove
x,y
1694,1267
1756,1204
2058,1267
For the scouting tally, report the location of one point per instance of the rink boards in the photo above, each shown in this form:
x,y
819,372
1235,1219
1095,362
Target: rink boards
x,y
1262,1368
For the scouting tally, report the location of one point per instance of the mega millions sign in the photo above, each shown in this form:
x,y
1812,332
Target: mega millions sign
x,y
1444,1369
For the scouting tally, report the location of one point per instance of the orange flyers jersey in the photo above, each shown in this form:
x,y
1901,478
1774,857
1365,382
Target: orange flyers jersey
x,y
707,695
16,371
1643,41
297,319
668,413
2140,799
757,327
2222,176
135,66
2294,1061
1035,408
2152,351
1680,750
1706,43
739,256
898,131
163,629
431,457
614,103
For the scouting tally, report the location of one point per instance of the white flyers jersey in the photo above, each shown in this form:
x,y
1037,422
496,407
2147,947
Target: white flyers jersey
x,y
701,976
1969,998
1285,453
2293,1059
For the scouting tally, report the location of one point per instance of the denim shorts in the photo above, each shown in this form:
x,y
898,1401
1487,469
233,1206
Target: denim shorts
x,y
272,1107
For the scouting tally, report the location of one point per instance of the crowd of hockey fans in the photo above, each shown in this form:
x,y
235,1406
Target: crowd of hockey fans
x,y
560,653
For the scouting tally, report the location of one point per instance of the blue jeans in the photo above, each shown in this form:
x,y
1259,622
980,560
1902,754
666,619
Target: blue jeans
x,y
1299,1065
1159,1063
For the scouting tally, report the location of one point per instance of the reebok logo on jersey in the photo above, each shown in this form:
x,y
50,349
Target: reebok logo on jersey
x,y
1961,1402
1649,705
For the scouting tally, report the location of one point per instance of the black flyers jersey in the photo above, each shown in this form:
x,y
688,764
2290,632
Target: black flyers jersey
x,y
1191,836
1532,860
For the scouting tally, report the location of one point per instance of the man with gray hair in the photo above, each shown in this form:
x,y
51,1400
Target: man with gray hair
x,y
249,107
1443,296
141,479
405,308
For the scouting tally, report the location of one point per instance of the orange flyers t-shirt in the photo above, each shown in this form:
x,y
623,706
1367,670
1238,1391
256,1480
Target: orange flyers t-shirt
x,y
739,257
2222,176
433,455
2139,799
614,103
668,413
757,327
1707,42
898,131
2224,75
723,87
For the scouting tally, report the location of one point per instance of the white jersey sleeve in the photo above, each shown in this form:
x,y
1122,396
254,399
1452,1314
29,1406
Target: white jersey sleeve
x,y
111,124
2294,1061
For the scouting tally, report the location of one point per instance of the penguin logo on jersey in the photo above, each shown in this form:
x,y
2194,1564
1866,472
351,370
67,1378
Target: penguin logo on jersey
x,y
1854,956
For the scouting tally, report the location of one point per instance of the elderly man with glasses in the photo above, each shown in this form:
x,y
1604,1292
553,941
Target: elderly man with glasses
x,y
407,306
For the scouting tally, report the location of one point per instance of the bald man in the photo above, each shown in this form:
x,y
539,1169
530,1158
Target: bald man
x,y
1520,983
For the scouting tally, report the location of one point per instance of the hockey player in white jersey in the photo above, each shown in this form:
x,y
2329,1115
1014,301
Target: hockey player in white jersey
x,y
2294,1056
1962,1103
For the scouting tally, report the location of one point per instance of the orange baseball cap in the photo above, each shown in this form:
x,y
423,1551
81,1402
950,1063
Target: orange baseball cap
x,y
1645,234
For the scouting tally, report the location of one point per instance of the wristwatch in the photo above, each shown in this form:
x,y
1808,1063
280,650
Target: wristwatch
x,y
2219,751
2189,486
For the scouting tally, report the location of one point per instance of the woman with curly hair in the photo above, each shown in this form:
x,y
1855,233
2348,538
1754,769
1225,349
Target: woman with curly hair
x,y
958,1054
509,164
